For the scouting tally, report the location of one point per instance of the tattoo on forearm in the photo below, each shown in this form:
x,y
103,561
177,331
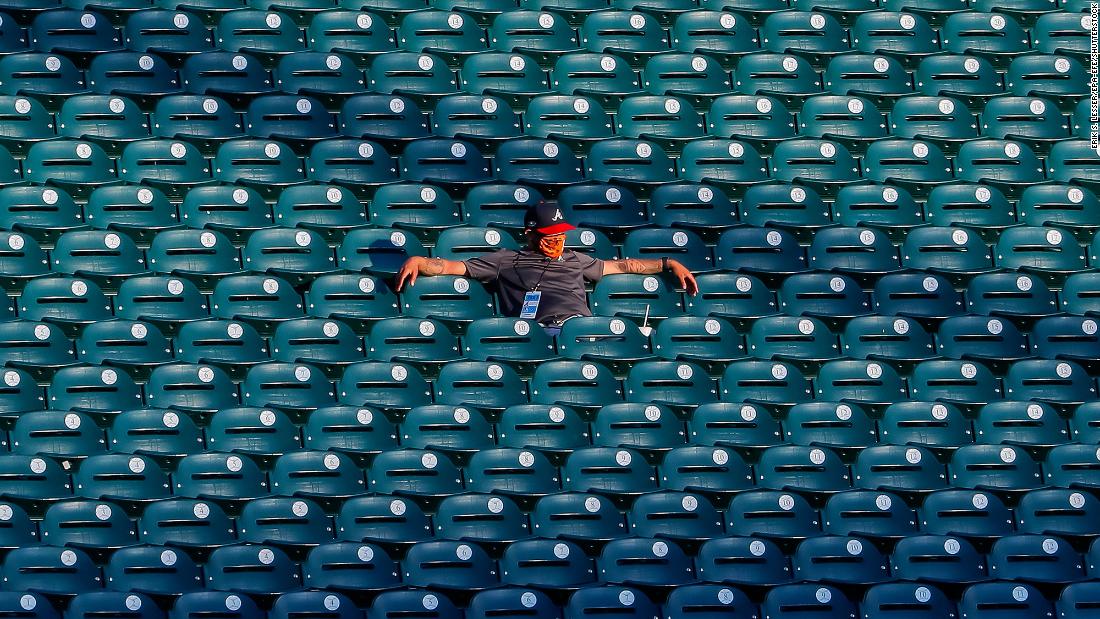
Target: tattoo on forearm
x,y
640,266
432,266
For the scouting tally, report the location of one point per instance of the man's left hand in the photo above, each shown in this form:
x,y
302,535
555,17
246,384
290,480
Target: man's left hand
x,y
684,276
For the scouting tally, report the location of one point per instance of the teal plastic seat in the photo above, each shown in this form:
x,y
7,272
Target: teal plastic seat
x,y
328,77
296,255
219,477
547,165
98,390
983,208
1062,383
356,300
197,389
481,518
265,34
915,165
421,209
26,121
205,121
35,347
891,210
724,35
747,428
953,252
243,567
604,77
996,468
829,297
612,210
358,432
788,78
635,296
1007,165
484,385
1033,121
169,34
480,119
539,35
164,301
1073,161
257,299
680,385
939,426
881,79
143,77
448,35
57,433
67,302
134,346
817,36
669,121
185,523
325,477
264,165
233,77
697,207
168,165
453,300
941,120
906,36
201,256
513,77
635,36
873,384
326,210
776,383
551,429
898,340
326,344
433,564
965,384
416,473
290,118
499,205
1020,423
1046,252
1058,78
697,78
681,245
294,387
81,524
158,434
731,165
468,242
760,252
132,481
234,346
388,119
808,469
802,341
448,163
109,121
1079,293
860,253
824,165
376,250
21,260
991,341
48,78
1071,466
1061,205
610,471
389,521
234,211
971,79
997,37
358,34
634,163
853,121
453,430
528,563
1061,33
383,384
102,257
758,119
421,77
74,165
138,212
584,385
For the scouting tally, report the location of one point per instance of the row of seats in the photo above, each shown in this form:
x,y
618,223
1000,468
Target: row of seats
x,y
1001,600
674,120
712,343
976,519
302,254
612,214
555,429
518,78
551,565
638,164
359,301
619,472
546,33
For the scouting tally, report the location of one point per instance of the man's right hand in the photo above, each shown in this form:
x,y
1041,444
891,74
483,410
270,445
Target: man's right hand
x,y
419,265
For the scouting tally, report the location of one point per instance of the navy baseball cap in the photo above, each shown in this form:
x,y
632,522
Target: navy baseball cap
x,y
546,218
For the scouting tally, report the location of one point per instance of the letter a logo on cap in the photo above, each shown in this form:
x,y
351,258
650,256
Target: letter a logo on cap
x,y
557,215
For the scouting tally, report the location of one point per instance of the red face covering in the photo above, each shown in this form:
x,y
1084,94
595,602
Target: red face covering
x,y
552,245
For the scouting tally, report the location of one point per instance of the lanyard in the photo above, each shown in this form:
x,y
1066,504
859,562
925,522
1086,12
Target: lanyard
x,y
542,273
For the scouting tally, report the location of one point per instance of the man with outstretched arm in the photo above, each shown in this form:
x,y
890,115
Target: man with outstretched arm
x,y
543,281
